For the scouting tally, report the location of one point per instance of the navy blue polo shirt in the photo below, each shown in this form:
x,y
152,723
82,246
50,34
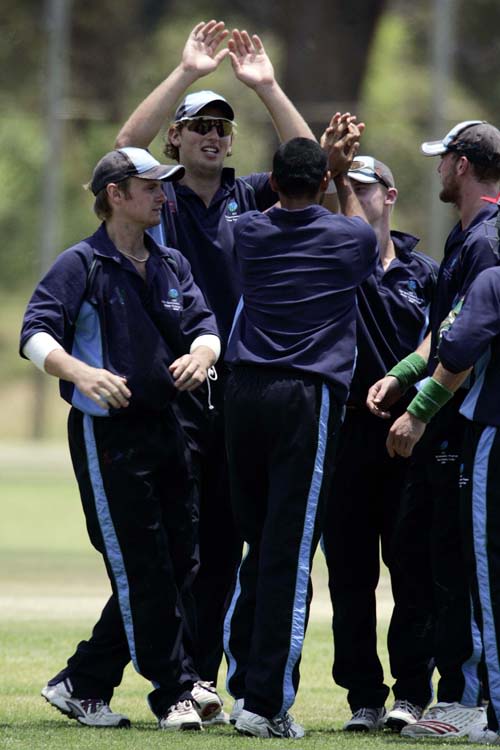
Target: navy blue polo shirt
x,y
205,235
474,339
393,313
467,253
117,321
299,274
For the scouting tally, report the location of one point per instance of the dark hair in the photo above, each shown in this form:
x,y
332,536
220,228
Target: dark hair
x,y
169,150
101,204
481,145
299,166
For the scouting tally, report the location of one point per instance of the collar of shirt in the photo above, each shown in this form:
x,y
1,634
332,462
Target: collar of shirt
x,y
104,247
227,182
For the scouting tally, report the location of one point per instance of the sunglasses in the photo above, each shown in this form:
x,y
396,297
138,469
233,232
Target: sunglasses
x,y
361,168
203,125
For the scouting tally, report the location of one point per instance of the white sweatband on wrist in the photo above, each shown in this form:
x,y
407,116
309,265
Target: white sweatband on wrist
x,y
38,347
210,340
331,189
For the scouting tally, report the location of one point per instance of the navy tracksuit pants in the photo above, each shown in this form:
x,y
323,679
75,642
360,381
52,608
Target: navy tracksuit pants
x,y
479,494
363,507
429,550
220,545
281,432
136,488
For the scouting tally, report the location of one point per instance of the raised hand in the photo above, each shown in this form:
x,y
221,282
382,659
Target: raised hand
x,y
249,59
340,141
200,51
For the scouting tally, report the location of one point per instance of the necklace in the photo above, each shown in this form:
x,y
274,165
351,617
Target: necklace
x,y
134,257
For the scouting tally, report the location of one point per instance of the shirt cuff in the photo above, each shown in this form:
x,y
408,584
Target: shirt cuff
x,y
210,340
38,347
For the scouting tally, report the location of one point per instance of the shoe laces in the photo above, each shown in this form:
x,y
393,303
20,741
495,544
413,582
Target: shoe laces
x,y
206,685
94,706
372,714
180,707
438,710
409,708
284,723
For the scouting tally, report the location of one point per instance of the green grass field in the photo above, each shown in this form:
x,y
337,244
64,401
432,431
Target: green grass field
x,y
52,586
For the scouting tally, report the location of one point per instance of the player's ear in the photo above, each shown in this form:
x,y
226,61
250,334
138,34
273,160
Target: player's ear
x,y
391,196
174,136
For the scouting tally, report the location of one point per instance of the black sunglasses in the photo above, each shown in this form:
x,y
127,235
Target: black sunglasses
x,y
203,125
368,172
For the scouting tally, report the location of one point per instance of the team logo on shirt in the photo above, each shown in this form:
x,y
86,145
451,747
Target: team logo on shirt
x,y
410,292
463,480
173,302
444,456
232,211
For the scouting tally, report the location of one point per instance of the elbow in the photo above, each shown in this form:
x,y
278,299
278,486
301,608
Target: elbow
x,y
122,139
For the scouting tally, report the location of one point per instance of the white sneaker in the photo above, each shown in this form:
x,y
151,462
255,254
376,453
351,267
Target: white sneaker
x,y
365,720
93,712
446,720
181,716
484,736
236,710
208,703
401,714
253,725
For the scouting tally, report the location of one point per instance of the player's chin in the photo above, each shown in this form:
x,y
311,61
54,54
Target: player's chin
x,y
154,219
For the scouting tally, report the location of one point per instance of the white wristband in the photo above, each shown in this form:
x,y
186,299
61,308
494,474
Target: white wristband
x,y
38,347
210,340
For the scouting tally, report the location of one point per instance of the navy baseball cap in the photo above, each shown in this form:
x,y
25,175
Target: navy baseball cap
x,y
369,170
193,103
436,148
123,163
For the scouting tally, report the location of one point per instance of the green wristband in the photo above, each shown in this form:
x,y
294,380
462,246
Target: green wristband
x,y
410,370
429,400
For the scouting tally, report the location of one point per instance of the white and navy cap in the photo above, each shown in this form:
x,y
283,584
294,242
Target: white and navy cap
x,y
436,148
193,103
123,163
367,169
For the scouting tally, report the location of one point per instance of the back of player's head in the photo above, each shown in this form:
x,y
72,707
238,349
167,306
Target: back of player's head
x,y
481,145
299,166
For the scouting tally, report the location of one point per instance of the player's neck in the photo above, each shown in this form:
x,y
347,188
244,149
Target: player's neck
x,y
296,204
204,185
470,202
386,248
129,238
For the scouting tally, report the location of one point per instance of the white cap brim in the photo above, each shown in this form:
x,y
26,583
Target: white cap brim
x,y
433,148
164,172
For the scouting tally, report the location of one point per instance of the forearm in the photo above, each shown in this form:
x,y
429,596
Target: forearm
x,y
424,349
287,120
62,365
147,120
348,200
450,380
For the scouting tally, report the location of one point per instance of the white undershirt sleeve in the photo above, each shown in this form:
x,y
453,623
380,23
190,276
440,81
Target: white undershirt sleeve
x,y
38,347
207,339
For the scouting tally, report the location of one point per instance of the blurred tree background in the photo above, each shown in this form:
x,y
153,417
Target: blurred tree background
x,y
379,59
